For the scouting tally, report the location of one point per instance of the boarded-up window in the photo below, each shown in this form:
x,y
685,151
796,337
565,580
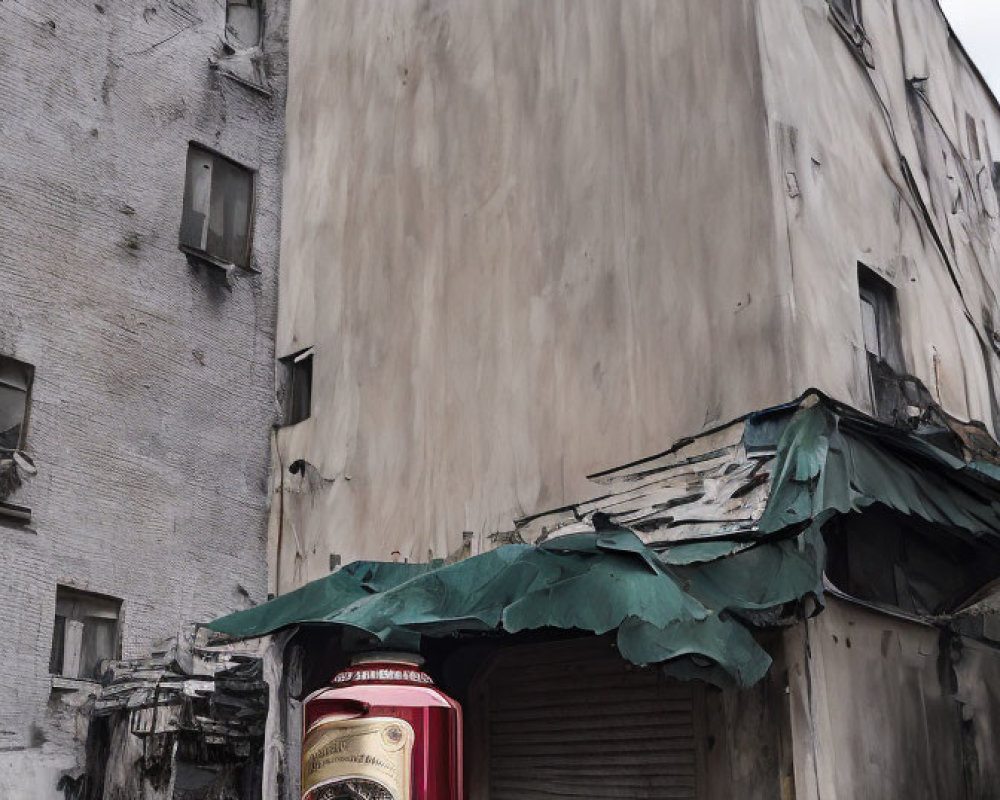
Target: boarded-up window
x,y
15,387
296,381
84,634
218,201
243,21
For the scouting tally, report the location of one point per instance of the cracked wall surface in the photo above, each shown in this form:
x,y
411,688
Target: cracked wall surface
x,y
527,240
153,389
875,139
532,240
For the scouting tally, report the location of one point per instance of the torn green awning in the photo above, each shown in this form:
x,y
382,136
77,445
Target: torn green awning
x,y
594,583
688,606
834,461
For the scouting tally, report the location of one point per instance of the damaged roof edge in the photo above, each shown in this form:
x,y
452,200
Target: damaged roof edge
x,y
812,392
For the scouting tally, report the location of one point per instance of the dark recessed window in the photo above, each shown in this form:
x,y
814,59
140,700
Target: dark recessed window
x,y
15,391
218,203
296,386
243,21
84,634
883,346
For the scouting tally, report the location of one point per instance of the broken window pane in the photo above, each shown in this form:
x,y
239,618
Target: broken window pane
x,y
296,381
243,21
218,199
98,645
85,633
15,383
869,324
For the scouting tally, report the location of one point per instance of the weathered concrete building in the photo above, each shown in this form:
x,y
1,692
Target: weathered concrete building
x,y
524,242
136,375
527,241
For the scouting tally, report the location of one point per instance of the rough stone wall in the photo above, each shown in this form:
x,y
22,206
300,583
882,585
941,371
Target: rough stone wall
x,y
528,240
153,392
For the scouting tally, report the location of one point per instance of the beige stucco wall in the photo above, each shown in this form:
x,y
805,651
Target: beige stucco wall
x,y
528,241
533,240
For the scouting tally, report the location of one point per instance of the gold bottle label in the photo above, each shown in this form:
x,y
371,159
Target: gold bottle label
x,y
364,757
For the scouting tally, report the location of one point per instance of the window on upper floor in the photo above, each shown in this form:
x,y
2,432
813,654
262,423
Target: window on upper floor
x,y
15,391
85,633
243,21
218,204
883,345
296,386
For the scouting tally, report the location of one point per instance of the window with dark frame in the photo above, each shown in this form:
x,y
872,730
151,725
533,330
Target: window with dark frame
x,y
243,21
296,382
218,204
85,633
882,339
15,393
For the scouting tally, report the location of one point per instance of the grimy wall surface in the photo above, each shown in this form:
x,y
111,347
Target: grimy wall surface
x,y
532,240
528,241
843,121
882,706
153,389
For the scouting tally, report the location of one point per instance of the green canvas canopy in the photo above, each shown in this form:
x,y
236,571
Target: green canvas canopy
x,y
690,604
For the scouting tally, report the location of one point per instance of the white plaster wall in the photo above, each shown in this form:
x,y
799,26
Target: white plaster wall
x,y
533,240
528,241
153,391
839,128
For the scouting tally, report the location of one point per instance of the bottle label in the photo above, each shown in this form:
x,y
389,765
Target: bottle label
x,y
364,757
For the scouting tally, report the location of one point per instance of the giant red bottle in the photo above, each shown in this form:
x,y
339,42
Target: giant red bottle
x,y
382,731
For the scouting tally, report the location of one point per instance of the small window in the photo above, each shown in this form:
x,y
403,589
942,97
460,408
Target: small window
x,y
975,153
881,335
243,21
15,391
218,201
296,380
84,634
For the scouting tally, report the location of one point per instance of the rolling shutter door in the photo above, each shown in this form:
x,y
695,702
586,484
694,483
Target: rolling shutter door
x,y
573,720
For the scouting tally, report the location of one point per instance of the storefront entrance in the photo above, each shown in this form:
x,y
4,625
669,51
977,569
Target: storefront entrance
x,y
572,720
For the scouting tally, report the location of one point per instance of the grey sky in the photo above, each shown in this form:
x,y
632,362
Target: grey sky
x,y
977,23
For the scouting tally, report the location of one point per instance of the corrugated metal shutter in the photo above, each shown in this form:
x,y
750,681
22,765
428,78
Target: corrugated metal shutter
x,y
573,720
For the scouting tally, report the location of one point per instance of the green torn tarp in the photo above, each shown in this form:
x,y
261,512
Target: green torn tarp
x,y
687,607
832,460
593,582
